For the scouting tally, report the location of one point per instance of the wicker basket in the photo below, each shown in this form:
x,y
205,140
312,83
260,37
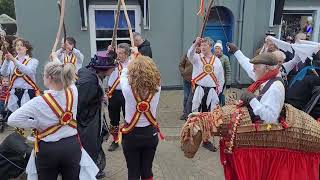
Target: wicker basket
x,y
303,132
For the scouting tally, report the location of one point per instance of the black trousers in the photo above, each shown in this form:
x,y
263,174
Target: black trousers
x,y
19,93
61,157
116,103
203,107
139,148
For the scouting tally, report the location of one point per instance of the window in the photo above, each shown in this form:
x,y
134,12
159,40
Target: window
x,y
102,19
294,22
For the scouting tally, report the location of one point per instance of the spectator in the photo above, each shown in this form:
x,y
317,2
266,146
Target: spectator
x,y
185,68
218,51
4,91
142,44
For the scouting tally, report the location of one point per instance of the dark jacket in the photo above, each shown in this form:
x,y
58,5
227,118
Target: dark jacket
x,y
145,49
301,91
313,107
89,108
185,68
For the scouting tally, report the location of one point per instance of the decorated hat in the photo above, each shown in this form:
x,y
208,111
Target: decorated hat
x,y
265,58
100,62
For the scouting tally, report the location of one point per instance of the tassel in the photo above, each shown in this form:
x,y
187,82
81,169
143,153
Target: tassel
x,y
284,123
36,143
119,137
269,127
256,126
201,8
161,135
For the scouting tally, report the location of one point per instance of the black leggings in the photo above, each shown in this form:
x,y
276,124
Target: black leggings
x,y
139,148
61,157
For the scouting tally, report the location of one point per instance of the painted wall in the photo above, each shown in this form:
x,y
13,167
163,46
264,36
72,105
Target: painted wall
x,y
174,25
38,22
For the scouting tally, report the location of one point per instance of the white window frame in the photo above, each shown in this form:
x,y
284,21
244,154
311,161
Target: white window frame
x,y
92,23
316,17
146,15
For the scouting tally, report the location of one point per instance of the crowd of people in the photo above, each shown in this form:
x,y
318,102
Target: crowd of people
x,y
68,119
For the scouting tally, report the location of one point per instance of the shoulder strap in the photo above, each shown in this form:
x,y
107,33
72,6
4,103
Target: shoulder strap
x,y
267,86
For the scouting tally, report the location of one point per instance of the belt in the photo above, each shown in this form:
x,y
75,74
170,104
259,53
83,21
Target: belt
x,y
19,89
206,87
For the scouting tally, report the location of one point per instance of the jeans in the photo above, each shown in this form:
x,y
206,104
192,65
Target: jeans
x,y
186,93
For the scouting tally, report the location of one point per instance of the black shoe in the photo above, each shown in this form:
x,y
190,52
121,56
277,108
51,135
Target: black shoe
x,y
100,175
183,117
113,146
208,145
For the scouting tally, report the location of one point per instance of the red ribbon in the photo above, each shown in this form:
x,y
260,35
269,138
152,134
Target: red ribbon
x,y
201,8
284,123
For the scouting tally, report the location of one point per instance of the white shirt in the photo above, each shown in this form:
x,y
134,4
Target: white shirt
x,y
43,116
7,69
131,102
115,74
271,102
61,54
245,64
207,81
303,51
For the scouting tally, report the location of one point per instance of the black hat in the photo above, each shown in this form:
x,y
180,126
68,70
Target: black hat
x,y
99,62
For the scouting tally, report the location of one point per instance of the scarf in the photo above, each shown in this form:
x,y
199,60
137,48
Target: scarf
x,y
269,75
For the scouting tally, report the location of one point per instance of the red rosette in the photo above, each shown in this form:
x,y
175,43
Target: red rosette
x,y
66,118
143,106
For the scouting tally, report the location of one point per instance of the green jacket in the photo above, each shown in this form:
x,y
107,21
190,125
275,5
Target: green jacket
x,y
226,68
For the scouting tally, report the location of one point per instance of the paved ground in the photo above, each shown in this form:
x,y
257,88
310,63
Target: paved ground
x,y
169,163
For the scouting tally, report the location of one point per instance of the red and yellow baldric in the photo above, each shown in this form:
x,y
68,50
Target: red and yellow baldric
x,y
142,107
17,74
207,70
116,82
65,116
71,60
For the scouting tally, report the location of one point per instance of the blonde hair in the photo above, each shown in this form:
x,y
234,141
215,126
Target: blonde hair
x,y
60,73
143,76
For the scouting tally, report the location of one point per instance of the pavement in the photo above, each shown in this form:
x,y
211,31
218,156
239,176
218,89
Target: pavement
x,y
169,163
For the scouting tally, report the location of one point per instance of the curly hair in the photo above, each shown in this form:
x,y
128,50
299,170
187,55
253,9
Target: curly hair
x,y
144,76
25,44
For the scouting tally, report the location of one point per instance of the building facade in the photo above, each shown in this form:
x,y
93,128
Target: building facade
x,y
170,26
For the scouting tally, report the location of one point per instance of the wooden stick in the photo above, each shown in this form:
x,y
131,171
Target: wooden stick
x,y
128,22
54,48
204,24
64,26
115,28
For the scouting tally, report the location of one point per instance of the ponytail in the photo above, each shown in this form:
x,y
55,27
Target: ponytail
x,y
60,73
68,74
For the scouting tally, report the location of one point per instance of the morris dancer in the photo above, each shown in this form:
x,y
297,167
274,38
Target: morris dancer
x,y
69,54
140,84
57,148
116,99
264,70
22,72
91,93
207,79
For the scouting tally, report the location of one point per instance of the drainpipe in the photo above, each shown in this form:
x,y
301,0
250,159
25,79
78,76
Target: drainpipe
x,y
240,33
